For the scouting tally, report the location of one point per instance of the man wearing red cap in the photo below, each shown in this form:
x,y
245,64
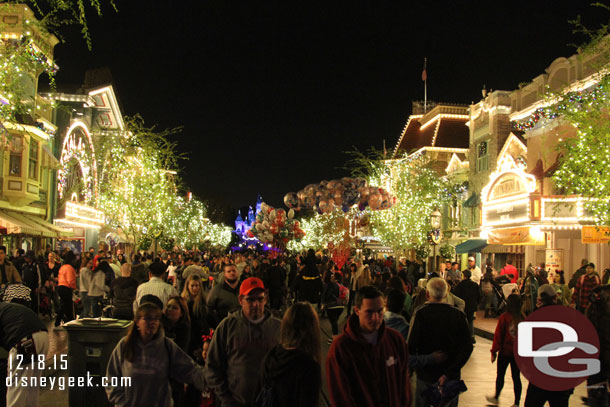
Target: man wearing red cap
x,y
239,345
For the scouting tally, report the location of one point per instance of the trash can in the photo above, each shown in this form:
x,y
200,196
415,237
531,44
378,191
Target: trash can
x,y
90,344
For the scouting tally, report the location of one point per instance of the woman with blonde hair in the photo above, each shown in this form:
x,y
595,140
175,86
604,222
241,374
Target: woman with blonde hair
x,y
150,360
365,278
291,372
198,311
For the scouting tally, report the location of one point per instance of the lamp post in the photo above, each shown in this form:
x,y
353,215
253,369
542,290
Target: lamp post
x,y
435,234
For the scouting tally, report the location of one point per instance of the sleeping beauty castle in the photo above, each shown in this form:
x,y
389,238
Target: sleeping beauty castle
x,y
243,225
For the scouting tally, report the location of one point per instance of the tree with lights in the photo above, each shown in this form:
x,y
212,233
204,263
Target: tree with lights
x,y
136,178
324,229
189,226
419,191
583,166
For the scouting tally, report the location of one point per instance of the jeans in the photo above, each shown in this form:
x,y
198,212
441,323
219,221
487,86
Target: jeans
x,y
94,303
350,302
86,301
333,318
66,310
470,319
488,299
503,362
420,399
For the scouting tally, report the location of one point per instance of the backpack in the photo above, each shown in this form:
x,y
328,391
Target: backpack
x,y
343,295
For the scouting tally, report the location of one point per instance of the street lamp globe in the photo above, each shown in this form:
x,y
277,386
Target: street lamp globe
x,y
435,219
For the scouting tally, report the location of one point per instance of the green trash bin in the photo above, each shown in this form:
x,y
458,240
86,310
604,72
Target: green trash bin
x,y
90,344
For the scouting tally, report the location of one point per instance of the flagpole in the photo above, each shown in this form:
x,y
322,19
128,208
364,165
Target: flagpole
x,y
425,86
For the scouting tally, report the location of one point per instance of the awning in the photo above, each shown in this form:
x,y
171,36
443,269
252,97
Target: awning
x,y
59,231
15,226
40,230
27,224
471,246
472,201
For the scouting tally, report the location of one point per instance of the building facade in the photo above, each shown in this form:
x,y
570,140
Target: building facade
x,y
27,163
520,213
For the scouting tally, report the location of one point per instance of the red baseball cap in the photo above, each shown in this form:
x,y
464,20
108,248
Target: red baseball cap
x,y
250,284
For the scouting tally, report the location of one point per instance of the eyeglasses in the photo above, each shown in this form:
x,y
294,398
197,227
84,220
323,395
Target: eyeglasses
x,y
151,319
252,300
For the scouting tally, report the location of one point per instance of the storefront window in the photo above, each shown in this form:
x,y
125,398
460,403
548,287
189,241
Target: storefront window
x,y
33,167
15,159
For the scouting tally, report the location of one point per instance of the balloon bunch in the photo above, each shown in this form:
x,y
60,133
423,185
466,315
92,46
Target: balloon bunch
x,y
343,193
275,226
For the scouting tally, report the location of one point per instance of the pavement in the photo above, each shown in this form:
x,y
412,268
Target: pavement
x,y
479,373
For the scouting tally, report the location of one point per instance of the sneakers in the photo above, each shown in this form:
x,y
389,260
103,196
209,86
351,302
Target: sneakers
x,y
492,400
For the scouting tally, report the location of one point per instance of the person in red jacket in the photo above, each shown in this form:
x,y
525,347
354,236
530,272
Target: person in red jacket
x,y
367,364
510,271
502,348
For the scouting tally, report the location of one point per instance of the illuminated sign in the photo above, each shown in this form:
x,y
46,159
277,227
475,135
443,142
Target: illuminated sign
x,y
506,213
526,235
594,234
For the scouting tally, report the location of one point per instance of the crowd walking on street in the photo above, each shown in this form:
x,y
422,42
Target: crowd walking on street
x,y
244,329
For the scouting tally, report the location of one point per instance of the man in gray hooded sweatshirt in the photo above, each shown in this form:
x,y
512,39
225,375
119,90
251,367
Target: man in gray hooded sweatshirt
x,y
239,346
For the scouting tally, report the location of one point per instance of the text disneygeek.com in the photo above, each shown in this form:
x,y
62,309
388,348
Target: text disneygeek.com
x,y
61,383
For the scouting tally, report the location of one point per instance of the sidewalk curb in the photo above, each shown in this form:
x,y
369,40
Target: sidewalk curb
x,y
484,334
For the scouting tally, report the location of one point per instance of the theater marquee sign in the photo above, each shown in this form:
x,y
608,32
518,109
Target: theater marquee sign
x,y
509,203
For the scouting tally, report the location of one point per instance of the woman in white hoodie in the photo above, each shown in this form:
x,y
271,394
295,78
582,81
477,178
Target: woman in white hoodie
x,y
149,359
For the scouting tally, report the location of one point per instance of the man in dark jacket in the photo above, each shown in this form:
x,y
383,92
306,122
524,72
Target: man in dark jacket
x,y
8,272
32,278
276,283
578,273
470,292
139,270
309,282
123,292
22,332
224,296
367,363
437,326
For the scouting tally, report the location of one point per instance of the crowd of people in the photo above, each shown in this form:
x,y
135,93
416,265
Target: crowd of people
x,y
243,329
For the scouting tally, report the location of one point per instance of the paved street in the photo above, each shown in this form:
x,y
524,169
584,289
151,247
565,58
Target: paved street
x,y
479,374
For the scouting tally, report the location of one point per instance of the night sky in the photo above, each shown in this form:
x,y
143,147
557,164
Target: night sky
x,y
272,93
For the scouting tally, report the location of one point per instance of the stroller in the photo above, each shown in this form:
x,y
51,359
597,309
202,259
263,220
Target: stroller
x,y
46,300
500,298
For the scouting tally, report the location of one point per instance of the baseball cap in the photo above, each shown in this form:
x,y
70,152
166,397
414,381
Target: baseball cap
x,y
471,259
250,284
548,290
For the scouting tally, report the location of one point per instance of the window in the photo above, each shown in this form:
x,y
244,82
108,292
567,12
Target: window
x,y
15,159
482,157
45,179
33,168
